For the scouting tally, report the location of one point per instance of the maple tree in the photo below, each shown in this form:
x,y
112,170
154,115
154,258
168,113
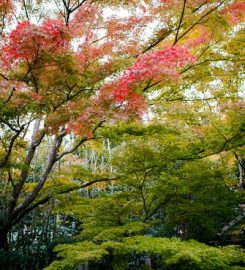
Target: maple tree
x,y
82,65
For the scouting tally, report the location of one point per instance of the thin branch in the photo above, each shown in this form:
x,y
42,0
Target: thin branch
x,y
199,20
211,60
26,12
190,100
47,198
9,125
80,142
10,179
180,22
158,40
10,96
3,76
65,5
224,147
73,8
98,181
149,85
10,147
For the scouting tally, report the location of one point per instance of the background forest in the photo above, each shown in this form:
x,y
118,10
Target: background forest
x,y
122,132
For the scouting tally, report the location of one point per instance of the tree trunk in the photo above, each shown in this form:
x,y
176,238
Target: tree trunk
x,y
241,166
5,262
83,267
4,240
147,262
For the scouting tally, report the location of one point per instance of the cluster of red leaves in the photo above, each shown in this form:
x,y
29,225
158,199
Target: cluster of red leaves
x,y
27,41
235,12
118,28
84,114
82,123
156,65
120,95
85,18
100,108
87,54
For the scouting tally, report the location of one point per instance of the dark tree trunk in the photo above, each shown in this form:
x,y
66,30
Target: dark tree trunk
x,y
4,240
4,248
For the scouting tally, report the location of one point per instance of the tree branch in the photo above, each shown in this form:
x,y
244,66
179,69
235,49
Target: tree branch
x,y
10,96
47,198
26,12
11,145
49,165
199,20
80,142
180,22
24,173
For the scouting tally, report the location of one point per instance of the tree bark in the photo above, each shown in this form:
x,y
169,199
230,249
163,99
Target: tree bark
x,y
4,240
241,166
5,262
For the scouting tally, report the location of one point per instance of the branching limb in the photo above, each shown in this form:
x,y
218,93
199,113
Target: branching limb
x,y
24,173
49,197
199,20
10,96
74,148
26,11
49,165
10,148
180,22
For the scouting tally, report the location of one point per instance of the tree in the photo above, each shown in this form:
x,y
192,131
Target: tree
x,y
66,74
163,191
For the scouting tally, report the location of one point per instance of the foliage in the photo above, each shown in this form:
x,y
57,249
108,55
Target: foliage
x,y
173,253
117,119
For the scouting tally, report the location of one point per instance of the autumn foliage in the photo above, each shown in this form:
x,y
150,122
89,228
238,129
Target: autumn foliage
x,y
36,49
68,68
